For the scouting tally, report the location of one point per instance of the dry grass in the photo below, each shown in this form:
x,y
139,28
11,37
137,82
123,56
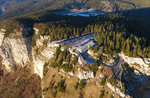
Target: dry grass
x,y
20,84
91,90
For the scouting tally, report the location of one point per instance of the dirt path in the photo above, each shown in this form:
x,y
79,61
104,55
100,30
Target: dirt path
x,y
118,69
130,3
122,1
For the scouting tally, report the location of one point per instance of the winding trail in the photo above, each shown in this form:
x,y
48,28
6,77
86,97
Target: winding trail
x,y
118,69
130,3
122,1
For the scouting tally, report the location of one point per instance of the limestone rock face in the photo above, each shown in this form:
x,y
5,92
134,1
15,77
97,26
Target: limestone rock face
x,y
85,74
46,53
1,35
137,63
38,66
117,91
15,50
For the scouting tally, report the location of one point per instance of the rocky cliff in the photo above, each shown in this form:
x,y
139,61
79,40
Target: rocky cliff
x,y
17,51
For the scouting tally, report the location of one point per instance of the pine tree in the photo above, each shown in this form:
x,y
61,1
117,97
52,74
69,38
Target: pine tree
x,y
74,31
114,35
92,28
94,67
78,31
105,41
148,54
134,52
139,50
113,45
96,35
68,58
127,46
117,44
108,42
100,41
95,49
100,28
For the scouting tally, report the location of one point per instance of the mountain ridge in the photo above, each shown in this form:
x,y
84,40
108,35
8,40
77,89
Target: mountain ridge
x,y
27,6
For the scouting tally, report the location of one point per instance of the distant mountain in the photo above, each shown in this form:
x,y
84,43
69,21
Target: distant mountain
x,y
6,4
20,7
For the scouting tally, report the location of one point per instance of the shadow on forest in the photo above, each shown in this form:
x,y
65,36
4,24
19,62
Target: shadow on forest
x,y
137,85
136,21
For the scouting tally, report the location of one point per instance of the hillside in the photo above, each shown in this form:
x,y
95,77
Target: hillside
x,y
75,49
74,54
20,83
128,4
6,4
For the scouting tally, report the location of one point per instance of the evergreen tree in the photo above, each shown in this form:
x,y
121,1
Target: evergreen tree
x,y
108,42
134,52
94,67
139,52
127,46
117,44
68,58
96,49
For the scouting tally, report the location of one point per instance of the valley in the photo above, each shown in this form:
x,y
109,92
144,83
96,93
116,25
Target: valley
x,y
87,13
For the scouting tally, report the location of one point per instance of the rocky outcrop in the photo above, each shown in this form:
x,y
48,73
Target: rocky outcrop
x,y
46,53
137,63
117,91
108,72
15,50
85,74
1,35
38,66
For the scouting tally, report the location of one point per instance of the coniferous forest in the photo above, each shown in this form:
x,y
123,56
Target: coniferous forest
x,y
116,32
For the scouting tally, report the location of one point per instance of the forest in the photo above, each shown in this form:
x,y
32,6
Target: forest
x,y
116,32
